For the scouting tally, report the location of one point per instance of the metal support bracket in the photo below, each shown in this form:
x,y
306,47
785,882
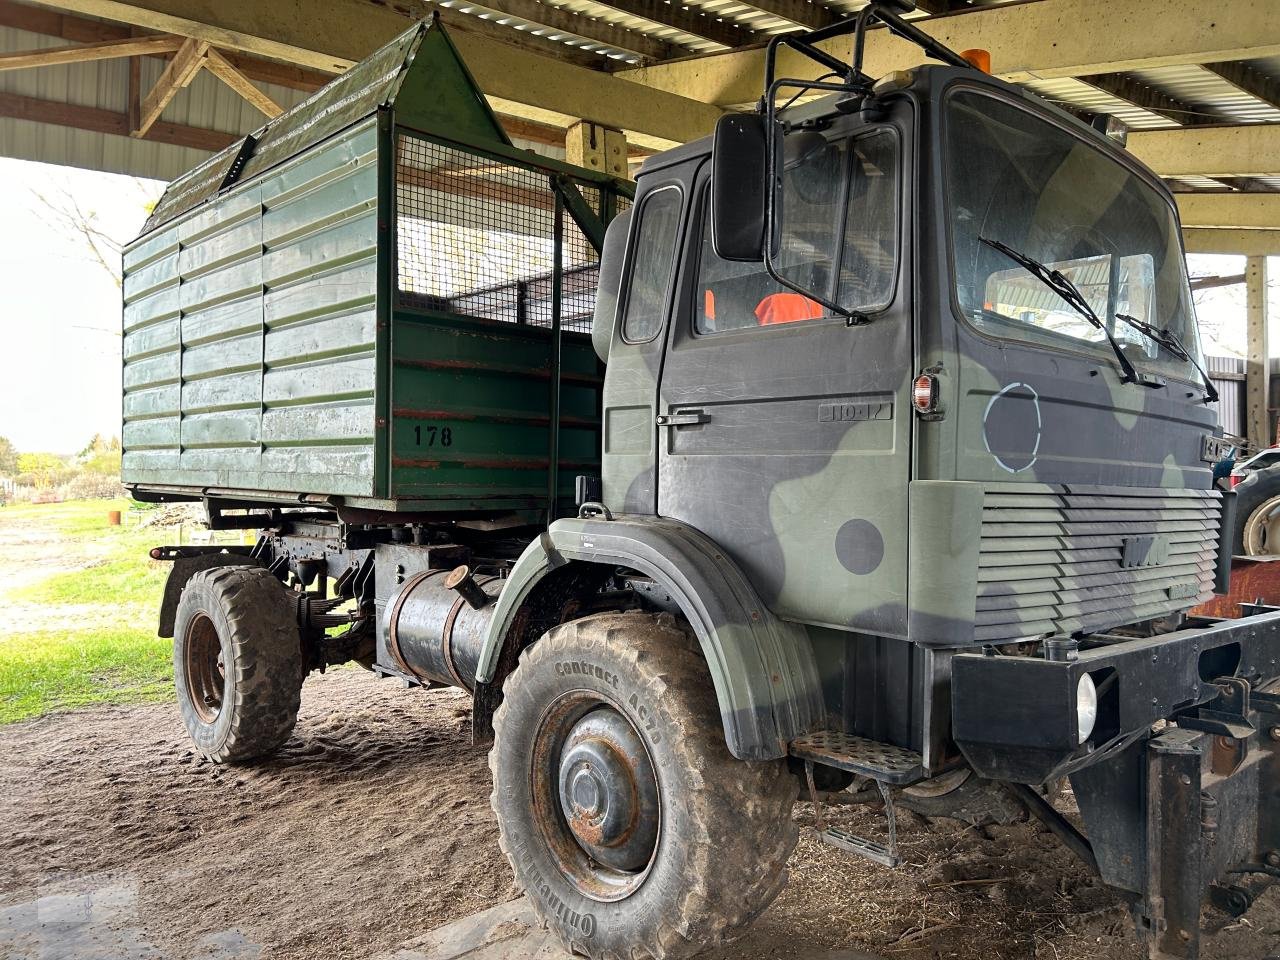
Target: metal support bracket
x,y
1228,715
885,854
1169,918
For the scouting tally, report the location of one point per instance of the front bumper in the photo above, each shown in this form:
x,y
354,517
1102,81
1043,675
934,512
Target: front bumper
x,y
1172,811
1014,718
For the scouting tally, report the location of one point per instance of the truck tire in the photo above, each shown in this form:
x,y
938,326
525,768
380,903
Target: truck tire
x,y
633,830
237,659
1257,529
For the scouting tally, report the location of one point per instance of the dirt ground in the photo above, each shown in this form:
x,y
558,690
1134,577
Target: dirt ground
x,y
373,826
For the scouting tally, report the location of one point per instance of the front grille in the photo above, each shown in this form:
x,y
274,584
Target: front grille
x,y
1052,558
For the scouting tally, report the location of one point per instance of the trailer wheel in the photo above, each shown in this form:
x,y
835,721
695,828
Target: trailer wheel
x,y
629,824
237,660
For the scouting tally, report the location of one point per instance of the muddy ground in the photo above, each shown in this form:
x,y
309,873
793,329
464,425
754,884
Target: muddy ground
x,y
373,826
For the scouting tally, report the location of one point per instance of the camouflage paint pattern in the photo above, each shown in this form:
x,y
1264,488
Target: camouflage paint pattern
x,y
1014,514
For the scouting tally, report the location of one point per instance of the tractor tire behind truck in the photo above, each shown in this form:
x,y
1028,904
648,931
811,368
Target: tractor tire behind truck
x,y
237,659
1257,531
628,823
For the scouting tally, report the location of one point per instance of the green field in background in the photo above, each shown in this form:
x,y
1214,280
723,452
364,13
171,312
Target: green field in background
x,y
86,632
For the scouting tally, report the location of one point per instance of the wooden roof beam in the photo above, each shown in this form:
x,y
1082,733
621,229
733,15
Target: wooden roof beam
x,y
224,70
84,53
179,72
332,35
80,30
97,120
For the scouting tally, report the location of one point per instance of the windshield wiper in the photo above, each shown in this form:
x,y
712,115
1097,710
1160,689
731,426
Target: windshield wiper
x,y
1171,342
1069,292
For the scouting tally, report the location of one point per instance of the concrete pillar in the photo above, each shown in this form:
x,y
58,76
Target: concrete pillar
x,y
597,148
1257,369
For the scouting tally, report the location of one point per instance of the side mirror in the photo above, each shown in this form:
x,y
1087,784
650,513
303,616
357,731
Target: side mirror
x,y
612,254
739,187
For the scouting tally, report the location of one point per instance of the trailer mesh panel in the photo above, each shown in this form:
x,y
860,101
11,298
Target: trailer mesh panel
x,y
476,237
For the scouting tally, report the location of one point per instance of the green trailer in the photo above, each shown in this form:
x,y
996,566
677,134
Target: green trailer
x,y
375,301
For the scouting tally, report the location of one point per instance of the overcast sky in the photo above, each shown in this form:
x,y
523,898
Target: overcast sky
x,y
60,310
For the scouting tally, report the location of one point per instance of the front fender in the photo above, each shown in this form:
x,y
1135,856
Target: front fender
x,y
764,671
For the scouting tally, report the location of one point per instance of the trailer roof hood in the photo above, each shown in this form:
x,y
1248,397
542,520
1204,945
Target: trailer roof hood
x,y
419,73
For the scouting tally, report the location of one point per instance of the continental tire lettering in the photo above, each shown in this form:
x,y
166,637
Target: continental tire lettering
x,y
646,718
583,668
584,923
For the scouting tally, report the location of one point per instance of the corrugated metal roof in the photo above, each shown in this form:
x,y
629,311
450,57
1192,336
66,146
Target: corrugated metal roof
x,y
1208,92
1076,93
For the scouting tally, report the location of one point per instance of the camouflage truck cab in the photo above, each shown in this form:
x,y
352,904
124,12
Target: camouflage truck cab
x,y
903,481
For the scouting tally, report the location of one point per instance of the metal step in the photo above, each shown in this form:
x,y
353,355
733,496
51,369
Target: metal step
x,y
868,758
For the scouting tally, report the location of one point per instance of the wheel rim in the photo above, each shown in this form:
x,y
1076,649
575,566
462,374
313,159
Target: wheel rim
x,y
596,796
939,786
205,672
1262,530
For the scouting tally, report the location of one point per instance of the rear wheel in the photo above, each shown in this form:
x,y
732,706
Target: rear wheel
x,y
633,830
238,665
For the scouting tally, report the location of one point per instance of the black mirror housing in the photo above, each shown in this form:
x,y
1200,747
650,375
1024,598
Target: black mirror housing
x,y
739,187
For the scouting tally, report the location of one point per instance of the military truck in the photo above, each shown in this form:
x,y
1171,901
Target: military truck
x,y
864,444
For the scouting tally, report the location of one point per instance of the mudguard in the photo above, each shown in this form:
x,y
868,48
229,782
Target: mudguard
x,y
764,671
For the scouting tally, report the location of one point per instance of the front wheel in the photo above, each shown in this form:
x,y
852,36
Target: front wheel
x,y
629,824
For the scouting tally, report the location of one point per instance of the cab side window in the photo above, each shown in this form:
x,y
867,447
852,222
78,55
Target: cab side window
x,y
841,203
653,264
733,296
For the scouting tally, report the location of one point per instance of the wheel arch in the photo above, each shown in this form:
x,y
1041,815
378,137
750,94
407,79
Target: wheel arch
x,y
763,669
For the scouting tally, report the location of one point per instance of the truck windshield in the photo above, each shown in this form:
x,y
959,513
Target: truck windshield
x,y
1022,181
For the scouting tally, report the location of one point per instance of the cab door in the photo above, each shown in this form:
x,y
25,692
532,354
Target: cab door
x,y
784,434
658,221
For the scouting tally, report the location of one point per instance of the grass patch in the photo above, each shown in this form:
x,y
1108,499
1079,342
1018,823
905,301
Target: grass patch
x,y
133,578
74,518
89,632
40,672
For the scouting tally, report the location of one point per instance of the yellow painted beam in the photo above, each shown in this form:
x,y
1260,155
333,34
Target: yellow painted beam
x,y
1248,150
1249,243
1251,211
1050,38
332,35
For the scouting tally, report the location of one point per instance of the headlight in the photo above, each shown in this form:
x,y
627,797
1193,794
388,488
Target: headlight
x,y
1086,707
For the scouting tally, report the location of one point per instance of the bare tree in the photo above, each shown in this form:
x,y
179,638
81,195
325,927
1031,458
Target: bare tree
x,y
85,224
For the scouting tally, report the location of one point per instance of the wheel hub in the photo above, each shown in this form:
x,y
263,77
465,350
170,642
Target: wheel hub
x,y
608,790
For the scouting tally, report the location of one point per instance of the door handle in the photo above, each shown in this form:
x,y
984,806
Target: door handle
x,y
686,418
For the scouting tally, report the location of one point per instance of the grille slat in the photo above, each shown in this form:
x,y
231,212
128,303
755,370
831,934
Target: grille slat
x,y
1050,557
